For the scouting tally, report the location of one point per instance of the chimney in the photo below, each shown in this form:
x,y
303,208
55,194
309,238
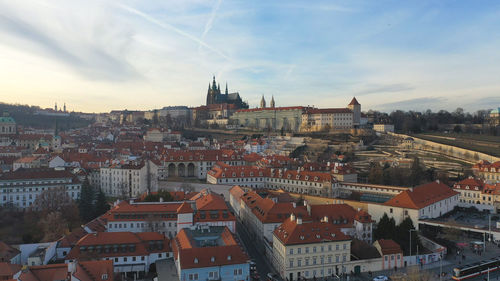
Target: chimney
x,y
294,204
309,209
292,217
325,219
299,220
305,203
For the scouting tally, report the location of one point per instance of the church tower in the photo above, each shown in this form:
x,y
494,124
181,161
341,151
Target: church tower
x,y
356,110
262,102
272,103
55,107
213,92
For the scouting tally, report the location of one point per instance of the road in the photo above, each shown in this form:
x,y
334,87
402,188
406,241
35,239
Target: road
x,y
263,266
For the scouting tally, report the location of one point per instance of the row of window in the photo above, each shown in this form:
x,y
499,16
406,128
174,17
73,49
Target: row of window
x,y
214,275
314,261
321,249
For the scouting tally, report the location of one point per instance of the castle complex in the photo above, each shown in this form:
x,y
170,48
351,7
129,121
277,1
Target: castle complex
x,y
214,96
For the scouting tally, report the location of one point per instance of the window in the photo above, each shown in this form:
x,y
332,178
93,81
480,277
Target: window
x,y
104,276
291,263
299,250
337,247
299,262
314,249
307,250
291,251
390,210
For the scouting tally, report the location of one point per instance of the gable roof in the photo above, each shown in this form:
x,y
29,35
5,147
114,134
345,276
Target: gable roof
x,y
291,233
421,196
354,101
388,247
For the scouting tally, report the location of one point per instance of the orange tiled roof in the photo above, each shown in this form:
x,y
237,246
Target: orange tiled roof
x,y
422,196
389,247
292,233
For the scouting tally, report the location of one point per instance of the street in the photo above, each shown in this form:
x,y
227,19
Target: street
x,y
263,266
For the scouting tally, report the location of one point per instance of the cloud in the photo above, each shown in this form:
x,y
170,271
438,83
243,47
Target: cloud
x,y
412,104
384,89
90,60
171,28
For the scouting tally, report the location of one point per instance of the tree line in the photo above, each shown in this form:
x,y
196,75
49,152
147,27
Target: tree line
x,y
416,122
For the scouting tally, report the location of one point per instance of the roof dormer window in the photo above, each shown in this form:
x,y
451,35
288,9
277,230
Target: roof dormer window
x,y
297,177
229,257
212,259
467,187
195,260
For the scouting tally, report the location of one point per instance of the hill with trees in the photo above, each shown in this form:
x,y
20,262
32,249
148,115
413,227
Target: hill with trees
x,y
26,116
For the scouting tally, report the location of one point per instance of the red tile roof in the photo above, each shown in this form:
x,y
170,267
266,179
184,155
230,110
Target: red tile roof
x,y
7,270
35,173
267,211
190,256
7,252
422,196
292,233
140,240
185,208
354,101
469,183
389,247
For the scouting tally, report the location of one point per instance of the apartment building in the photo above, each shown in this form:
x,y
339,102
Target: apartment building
x,y
306,249
129,180
490,172
209,253
20,188
130,252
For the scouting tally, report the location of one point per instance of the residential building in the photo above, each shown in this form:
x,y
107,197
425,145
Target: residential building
x,y
383,128
425,201
261,216
20,188
297,181
305,249
210,253
130,252
327,119
490,172
129,180
392,255
74,271
168,218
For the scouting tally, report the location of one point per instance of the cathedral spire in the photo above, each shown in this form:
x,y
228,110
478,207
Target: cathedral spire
x,y
214,85
218,88
272,102
226,89
262,102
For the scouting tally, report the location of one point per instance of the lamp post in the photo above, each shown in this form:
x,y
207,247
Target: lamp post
x,y
410,244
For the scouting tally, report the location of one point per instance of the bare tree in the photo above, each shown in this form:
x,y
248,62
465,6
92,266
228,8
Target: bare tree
x,y
152,224
54,226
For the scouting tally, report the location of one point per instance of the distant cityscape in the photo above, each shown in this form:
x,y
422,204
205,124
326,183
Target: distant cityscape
x,y
224,191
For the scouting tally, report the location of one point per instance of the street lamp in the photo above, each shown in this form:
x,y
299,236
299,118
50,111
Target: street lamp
x,y
410,245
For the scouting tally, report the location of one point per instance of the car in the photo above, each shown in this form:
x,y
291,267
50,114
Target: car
x,y
381,278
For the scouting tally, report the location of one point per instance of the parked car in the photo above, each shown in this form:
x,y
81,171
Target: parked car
x,y
253,266
381,278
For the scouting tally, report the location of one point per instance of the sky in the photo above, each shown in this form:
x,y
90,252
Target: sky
x,y
102,55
